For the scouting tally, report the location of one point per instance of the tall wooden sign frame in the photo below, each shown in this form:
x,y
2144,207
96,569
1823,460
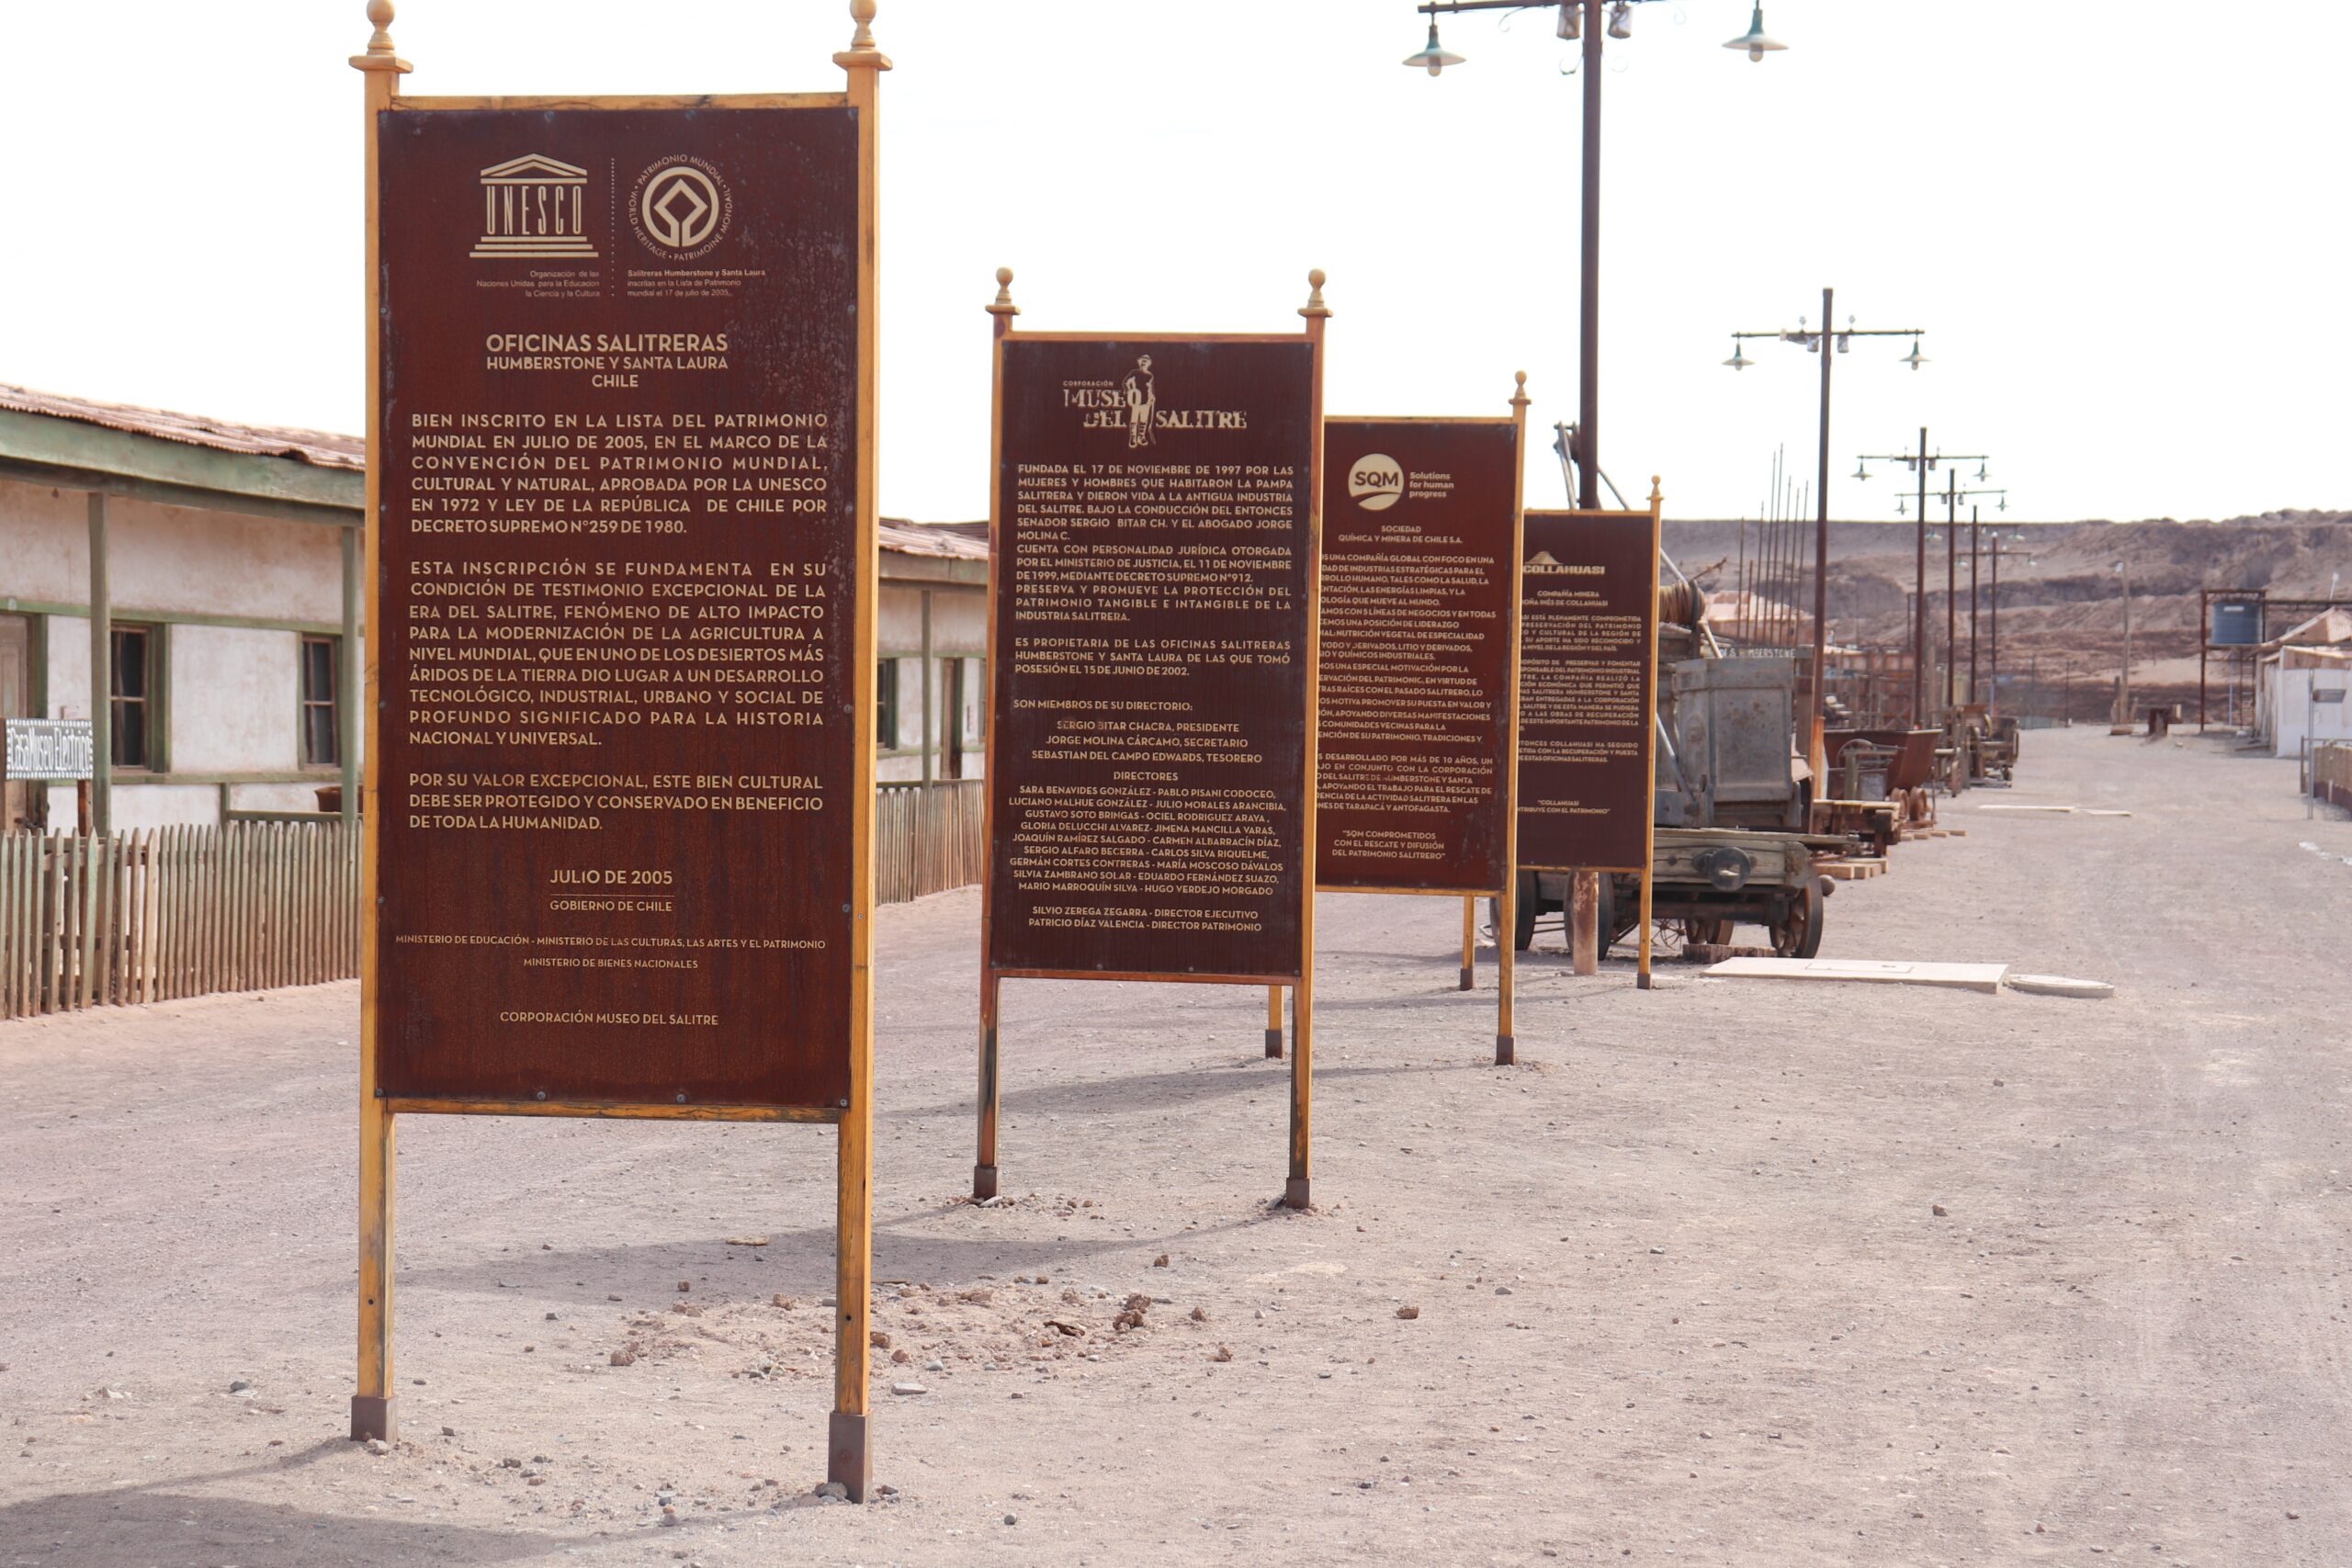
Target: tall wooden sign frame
x,y
1399,481
374,1405
1127,405
1646,586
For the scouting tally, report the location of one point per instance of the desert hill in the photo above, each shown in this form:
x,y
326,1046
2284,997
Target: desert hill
x,y
2061,600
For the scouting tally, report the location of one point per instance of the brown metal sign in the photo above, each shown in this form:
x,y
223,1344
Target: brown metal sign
x,y
1587,690
617,607
1153,601
1412,747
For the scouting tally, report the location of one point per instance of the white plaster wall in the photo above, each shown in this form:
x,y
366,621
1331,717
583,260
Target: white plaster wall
x,y
234,699
69,666
165,805
169,558
2328,721
143,806
275,797
959,624
958,620
44,543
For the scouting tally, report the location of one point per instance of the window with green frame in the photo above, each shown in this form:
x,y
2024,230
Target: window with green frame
x,y
885,706
136,710
322,735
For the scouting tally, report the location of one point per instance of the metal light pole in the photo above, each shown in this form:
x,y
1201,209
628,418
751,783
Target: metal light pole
x,y
1819,343
1953,496
2123,686
1974,540
1921,464
1582,21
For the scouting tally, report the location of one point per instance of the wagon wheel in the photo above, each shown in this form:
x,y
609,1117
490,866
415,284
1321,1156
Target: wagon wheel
x,y
1693,928
1523,912
1797,934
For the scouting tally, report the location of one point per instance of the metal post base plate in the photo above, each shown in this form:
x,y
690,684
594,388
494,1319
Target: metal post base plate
x,y
1294,1192
1644,982
1506,1050
1469,978
375,1416
1273,1045
847,1459
983,1182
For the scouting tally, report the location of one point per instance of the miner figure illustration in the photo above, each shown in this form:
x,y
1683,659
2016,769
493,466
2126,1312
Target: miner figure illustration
x,y
1142,404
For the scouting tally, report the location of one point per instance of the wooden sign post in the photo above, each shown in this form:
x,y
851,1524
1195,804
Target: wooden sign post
x,y
1588,697
1155,518
621,553
1417,663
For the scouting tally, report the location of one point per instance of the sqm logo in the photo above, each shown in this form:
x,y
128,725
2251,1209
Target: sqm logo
x,y
533,205
680,207
1377,482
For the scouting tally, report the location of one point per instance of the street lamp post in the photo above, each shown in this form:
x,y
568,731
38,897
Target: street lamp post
x,y
1582,21
1819,343
1994,654
1975,541
1921,464
2122,721
1953,496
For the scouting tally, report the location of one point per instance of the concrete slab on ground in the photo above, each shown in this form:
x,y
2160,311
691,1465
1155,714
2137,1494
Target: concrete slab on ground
x,y
1881,971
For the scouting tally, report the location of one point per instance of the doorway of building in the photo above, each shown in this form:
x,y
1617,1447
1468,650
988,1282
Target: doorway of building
x,y
952,717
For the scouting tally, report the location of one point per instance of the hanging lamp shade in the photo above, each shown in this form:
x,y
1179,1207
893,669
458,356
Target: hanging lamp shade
x,y
1915,358
1435,57
1571,19
1621,19
1738,360
1755,41
1861,472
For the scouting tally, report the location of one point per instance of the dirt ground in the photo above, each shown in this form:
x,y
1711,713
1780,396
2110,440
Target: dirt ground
x,y
1729,1272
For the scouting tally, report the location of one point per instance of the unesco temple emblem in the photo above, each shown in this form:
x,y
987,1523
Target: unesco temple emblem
x,y
533,207
680,207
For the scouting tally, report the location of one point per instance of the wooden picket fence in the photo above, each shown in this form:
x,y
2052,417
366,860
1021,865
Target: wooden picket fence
x,y
166,912
929,838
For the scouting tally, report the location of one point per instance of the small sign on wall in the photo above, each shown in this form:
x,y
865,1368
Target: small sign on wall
x,y
55,750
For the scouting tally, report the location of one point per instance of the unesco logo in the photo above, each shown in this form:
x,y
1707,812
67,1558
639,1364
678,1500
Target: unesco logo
x,y
1377,482
680,207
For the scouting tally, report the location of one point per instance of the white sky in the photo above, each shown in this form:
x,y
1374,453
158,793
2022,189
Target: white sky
x,y
2121,225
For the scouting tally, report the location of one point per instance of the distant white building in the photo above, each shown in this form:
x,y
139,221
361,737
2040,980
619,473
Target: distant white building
x,y
226,561
2293,675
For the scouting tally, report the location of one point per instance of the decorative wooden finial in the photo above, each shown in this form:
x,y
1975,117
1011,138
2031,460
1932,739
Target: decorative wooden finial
x,y
379,55
1518,391
1315,306
1003,305
1656,495
861,53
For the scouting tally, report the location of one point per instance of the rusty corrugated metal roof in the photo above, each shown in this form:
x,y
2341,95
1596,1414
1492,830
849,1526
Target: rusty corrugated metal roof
x,y
318,448
944,540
